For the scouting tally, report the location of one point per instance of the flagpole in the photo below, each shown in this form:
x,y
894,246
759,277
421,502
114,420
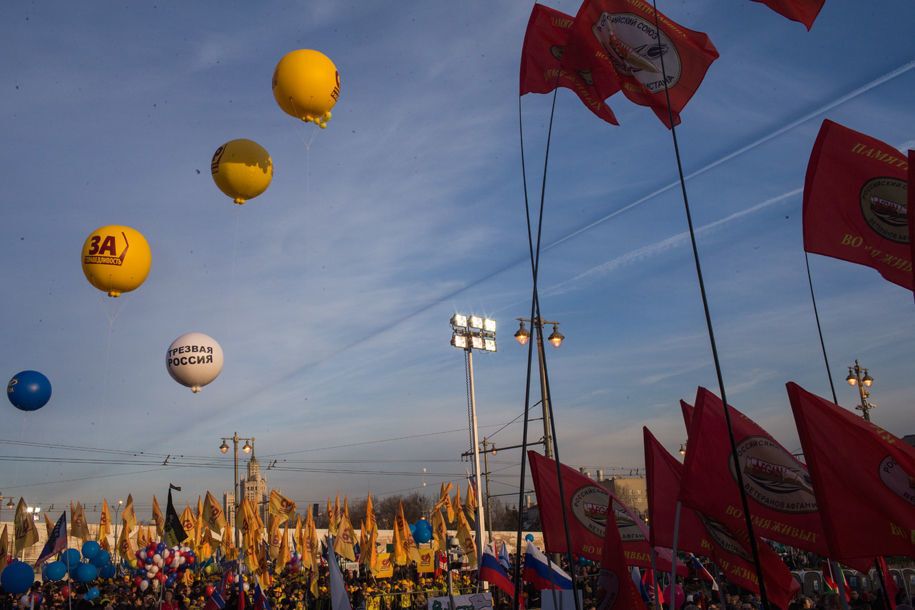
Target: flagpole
x,y
816,315
834,567
711,332
654,580
673,559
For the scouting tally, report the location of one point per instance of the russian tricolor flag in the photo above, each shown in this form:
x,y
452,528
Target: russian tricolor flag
x,y
492,572
543,574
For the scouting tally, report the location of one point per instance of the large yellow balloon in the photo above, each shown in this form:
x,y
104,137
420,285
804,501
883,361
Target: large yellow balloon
x,y
242,169
306,85
116,259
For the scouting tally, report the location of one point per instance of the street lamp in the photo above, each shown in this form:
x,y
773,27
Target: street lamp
x,y
683,449
556,338
248,448
470,333
863,383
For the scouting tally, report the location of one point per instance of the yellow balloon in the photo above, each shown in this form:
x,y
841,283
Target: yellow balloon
x,y
242,169
116,259
306,85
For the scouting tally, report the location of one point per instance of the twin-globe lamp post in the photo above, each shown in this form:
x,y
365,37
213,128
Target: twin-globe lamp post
x,y
522,336
860,378
470,333
247,448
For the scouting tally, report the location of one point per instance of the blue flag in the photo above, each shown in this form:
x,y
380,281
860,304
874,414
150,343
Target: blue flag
x,y
57,541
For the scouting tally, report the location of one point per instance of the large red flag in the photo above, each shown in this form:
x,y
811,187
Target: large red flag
x,y
620,35
586,506
541,71
615,588
911,206
855,202
864,479
704,536
687,410
805,11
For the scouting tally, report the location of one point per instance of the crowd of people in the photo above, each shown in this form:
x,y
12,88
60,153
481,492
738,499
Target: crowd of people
x,y
406,590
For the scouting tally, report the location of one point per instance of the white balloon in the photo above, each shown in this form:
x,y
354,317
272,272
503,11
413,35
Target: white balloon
x,y
142,554
182,560
176,562
150,573
246,586
166,553
144,584
194,360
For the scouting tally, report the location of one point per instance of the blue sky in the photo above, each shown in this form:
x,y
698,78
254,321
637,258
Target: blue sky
x,y
331,293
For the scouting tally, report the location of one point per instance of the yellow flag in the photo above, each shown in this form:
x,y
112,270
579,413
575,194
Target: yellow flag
x,y
345,542
273,536
444,502
297,536
281,506
439,531
212,514
334,518
228,545
159,519
409,544
78,526
4,545
309,550
199,527
313,583
284,555
251,523
456,501
370,522
426,563
125,544
466,539
26,532
104,522
400,553
48,526
129,517
142,537
471,502
368,551
189,523
385,566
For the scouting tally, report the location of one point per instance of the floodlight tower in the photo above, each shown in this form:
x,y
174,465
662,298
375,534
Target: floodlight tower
x,y
474,333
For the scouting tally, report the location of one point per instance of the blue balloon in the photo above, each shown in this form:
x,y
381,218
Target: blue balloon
x,y
17,577
101,559
29,390
107,571
91,548
422,531
529,537
92,593
160,547
71,558
412,528
56,570
86,572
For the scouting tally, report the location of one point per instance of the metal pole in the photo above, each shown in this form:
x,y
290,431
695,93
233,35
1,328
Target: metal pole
x,y
486,474
117,550
654,581
480,521
235,498
544,399
673,560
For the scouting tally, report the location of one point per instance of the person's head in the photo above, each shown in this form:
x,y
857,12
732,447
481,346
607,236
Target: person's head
x,y
169,595
854,595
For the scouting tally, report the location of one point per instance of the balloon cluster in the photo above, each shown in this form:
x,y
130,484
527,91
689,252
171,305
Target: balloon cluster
x,y
94,562
159,563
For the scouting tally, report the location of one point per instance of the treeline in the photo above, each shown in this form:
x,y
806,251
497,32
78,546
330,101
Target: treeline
x,y
415,505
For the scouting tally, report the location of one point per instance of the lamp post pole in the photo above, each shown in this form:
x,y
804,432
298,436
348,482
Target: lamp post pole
x,y
117,550
236,500
858,376
555,339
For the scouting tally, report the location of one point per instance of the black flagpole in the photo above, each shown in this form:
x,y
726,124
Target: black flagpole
x,y
711,331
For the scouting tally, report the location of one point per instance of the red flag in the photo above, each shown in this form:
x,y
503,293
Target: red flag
x,y
911,206
778,486
864,479
541,71
586,507
687,410
889,584
619,38
615,588
704,536
805,11
855,203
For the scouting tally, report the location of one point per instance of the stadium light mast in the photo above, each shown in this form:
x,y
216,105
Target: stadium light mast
x,y
470,333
